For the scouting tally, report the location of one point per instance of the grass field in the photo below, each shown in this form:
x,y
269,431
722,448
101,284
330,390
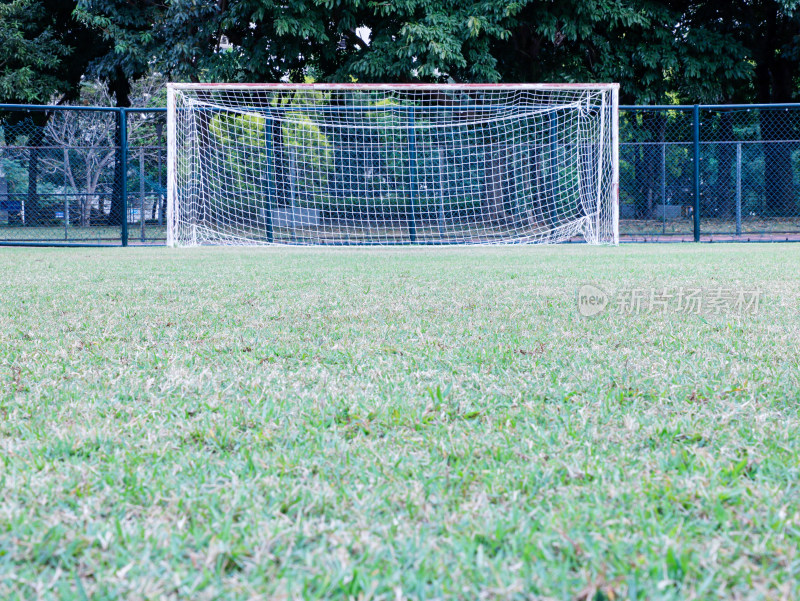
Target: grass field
x,y
401,423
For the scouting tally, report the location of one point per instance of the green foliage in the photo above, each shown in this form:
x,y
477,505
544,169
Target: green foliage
x,y
660,51
243,138
235,129
30,54
431,41
308,145
769,31
46,51
650,48
179,35
246,159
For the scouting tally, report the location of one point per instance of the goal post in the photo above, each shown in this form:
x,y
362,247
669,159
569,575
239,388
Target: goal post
x,y
374,164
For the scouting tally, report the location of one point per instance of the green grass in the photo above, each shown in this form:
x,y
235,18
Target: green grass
x,y
401,423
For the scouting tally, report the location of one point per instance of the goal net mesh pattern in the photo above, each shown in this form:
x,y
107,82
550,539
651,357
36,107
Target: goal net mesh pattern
x,y
390,165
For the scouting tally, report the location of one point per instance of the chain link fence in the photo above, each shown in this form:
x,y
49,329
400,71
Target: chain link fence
x,y
147,176
62,179
82,175
747,186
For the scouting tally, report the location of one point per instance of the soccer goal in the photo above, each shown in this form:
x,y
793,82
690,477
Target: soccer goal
x,y
392,164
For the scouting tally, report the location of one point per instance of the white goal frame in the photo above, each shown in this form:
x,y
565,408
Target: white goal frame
x,y
181,233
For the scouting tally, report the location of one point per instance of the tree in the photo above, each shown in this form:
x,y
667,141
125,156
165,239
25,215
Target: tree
x,y
427,40
30,60
411,40
768,34
30,55
45,51
650,48
44,55
770,29
86,147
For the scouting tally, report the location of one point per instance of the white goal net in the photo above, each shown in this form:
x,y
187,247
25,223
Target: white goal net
x,y
392,164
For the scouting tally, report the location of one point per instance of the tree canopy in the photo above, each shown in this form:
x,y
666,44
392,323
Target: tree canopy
x,y
661,51
36,58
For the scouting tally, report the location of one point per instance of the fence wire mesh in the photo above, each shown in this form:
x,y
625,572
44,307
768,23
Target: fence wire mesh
x,y
146,176
749,179
61,179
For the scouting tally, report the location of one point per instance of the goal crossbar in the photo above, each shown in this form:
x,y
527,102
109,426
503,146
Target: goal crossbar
x,y
395,86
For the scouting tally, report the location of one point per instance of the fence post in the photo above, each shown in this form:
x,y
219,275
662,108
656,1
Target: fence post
x,y
159,196
141,191
412,172
664,187
122,136
738,188
696,139
66,197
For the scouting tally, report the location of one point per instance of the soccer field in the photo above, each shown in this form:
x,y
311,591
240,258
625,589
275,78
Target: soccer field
x,y
228,423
